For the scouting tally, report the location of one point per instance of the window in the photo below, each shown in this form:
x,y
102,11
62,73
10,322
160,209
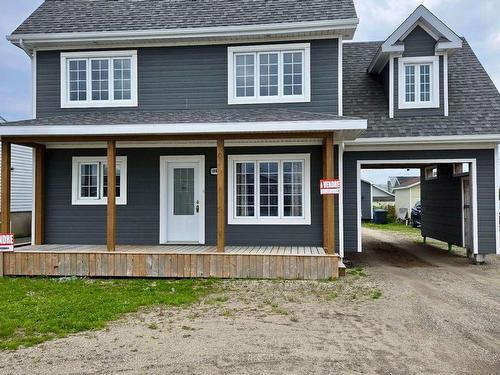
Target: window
x,y
90,180
431,173
419,82
269,74
99,79
461,169
269,189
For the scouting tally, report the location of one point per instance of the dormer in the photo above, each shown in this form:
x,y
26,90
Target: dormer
x,y
413,65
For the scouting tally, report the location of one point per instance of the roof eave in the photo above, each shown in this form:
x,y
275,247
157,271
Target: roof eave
x,y
343,27
348,129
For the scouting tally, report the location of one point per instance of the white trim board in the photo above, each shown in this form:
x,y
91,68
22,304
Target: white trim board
x,y
190,128
341,199
164,160
497,198
346,27
305,219
473,176
340,92
279,49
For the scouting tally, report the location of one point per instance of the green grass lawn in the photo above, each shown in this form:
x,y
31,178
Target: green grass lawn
x,y
394,227
33,310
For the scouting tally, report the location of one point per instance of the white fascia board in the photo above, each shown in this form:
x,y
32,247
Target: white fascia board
x,y
382,190
185,128
426,139
407,187
425,14
189,33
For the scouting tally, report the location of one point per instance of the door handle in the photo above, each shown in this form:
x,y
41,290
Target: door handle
x,y
197,206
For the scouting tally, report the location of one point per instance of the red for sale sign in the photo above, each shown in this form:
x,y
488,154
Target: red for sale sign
x,y
6,242
329,186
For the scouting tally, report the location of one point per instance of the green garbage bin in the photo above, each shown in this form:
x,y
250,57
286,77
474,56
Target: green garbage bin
x,y
380,216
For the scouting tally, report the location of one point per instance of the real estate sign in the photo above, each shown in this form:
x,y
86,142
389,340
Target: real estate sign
x,y
6,242
329,186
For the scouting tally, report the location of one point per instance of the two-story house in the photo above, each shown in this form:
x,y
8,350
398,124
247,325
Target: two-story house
x,y
206,127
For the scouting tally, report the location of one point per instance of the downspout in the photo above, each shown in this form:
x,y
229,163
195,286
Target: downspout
x,y
24,48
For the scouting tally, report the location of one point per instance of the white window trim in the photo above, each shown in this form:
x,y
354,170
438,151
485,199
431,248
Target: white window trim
x,y
428,173
281,220
458,169
305,48
435,100
75,184
89,103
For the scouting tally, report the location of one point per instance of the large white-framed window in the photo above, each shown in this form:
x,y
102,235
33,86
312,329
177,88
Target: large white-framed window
x,y
269,189
99,79
278,73
418,82
90,180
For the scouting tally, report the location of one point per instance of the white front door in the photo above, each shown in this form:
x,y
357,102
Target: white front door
x,y
181,200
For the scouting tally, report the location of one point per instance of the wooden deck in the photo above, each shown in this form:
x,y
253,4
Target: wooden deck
x,y
172,261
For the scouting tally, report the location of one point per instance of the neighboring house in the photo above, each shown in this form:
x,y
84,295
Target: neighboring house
x,y
222,117
407,194
22,189
400,181
382,197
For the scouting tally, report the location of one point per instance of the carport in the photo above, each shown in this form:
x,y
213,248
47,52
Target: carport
x,y
458,195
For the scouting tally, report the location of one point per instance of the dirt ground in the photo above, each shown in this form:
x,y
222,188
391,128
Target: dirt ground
x,y
411,310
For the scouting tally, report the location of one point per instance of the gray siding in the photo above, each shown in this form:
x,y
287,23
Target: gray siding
x,y
366,202
442,206
22,179
419,43
193,77
138,221
485,185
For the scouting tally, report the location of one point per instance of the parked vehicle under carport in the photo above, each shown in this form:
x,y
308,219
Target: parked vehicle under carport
x,y
416,215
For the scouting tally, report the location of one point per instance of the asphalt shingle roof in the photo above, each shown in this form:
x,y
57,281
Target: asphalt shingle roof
x,y
61,16
178,117
474,101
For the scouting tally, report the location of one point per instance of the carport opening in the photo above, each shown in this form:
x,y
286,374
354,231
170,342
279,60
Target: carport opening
x,y
429,202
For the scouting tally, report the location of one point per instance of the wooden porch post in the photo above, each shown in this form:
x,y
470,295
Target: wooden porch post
x,y
221,196
328,200
111,214
5,201
39,193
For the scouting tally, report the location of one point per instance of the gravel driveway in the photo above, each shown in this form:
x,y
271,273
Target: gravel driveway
x,y
411,310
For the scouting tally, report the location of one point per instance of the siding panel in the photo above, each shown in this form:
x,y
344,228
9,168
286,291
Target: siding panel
x,y
193,77
138,221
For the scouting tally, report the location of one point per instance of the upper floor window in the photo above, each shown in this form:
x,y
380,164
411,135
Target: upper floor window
x,y
99,79
419,82
269,74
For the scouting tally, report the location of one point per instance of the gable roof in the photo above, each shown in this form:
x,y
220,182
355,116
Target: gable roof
x,y
474,101
70,16
446,39
382,190
406,182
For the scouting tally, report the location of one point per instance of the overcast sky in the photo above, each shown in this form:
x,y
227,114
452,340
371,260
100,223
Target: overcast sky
x,y
476,20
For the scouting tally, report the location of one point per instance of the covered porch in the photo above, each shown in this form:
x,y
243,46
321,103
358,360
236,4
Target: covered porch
x,y
274,255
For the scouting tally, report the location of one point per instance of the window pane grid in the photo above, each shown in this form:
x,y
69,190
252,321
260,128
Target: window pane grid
x,y
292,188
425,83
105,180
77,80
88,180
100,79
245,75
245,189
410,83
292,73
268,189
268,74
122,79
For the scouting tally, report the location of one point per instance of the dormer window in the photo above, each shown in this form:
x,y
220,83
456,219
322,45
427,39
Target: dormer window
x,y
269,74
99,79
419,82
